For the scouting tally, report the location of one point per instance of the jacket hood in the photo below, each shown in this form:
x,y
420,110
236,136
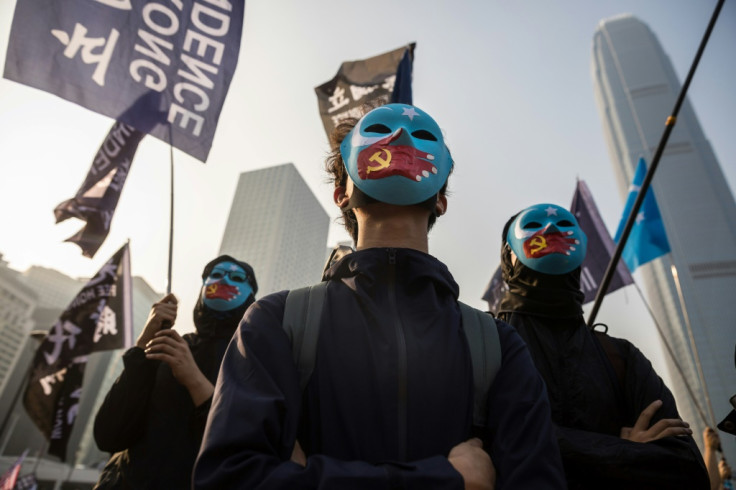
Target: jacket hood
x,y
369,266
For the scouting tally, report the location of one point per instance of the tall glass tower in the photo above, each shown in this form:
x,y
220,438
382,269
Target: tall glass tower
x,y
277,225
691,289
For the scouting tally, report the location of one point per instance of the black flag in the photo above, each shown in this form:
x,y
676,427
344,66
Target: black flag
x,y
495,291
381,79
98,318
600,246
97,198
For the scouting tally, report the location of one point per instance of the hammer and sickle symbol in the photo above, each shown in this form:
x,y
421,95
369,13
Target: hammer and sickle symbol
x,y
382,162
537,244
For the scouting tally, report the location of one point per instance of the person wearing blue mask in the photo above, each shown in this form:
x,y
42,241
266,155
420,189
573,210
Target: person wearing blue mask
x,y
153,417
617,423
390,399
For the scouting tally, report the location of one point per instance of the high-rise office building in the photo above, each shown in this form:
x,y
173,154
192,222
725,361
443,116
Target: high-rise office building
x,y
277,225
691,289
17,304
34,300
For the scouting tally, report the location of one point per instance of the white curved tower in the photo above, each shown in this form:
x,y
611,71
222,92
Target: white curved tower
x,y
636,88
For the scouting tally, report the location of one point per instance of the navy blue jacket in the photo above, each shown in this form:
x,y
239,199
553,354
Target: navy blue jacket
x,y
391,393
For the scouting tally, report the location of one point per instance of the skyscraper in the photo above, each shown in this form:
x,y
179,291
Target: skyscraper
x,y
691,289
277,225
17,304
34,300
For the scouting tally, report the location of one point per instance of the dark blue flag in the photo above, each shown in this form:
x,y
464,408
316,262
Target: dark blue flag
x,y
98,318
97,198
382,79
647,239
600,246
495,291
106,54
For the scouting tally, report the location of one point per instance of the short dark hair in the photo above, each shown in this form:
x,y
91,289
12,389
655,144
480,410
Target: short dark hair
x,y
338,174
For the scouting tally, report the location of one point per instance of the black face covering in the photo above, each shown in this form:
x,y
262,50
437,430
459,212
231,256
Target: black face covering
x,y
216,328
539,294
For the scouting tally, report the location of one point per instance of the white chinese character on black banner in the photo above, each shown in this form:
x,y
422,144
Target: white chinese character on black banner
x,y
60,333
338,99
88,45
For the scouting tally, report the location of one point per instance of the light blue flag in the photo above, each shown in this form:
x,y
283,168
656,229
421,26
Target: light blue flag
x,y
647,239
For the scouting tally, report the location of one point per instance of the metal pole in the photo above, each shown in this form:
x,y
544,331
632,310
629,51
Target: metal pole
x,y
698,365
171,212
668,127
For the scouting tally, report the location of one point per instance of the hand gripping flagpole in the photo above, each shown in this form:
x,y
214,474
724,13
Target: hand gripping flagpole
x,y
668,127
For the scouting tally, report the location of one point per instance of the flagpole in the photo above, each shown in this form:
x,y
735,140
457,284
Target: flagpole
x,y
694,347
668,127
171,211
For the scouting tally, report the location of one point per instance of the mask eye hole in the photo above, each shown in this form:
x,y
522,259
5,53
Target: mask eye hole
x,y
378,128
217,275
565,222
237,277
532,225
423,134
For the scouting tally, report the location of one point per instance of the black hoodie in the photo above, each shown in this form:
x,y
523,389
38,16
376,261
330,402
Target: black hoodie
x,y
590,404
148,420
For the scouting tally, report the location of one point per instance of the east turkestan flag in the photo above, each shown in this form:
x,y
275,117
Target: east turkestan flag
x,y
382,79
98,318
648,239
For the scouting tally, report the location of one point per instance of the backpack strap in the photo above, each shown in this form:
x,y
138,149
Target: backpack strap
x,y
481,333
302,314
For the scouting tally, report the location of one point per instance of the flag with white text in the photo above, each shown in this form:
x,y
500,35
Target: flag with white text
x,y
647,239
98,318
97,198
600,246
382,79
105,54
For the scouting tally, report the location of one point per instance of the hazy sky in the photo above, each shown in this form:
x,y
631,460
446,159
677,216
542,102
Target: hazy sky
x,y
509,82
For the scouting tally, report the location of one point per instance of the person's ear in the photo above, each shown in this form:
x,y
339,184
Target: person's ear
x,y
340,197
440,206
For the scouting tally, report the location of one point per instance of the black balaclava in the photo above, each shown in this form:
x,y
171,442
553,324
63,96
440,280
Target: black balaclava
x,y
222,324
535,293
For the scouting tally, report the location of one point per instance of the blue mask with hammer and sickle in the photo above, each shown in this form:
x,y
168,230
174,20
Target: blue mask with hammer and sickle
x,y
226,287
547,238
396,154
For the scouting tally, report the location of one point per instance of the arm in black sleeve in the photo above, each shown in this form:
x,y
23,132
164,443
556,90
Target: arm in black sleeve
x,y
121,418
524,451
670,462
252,426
